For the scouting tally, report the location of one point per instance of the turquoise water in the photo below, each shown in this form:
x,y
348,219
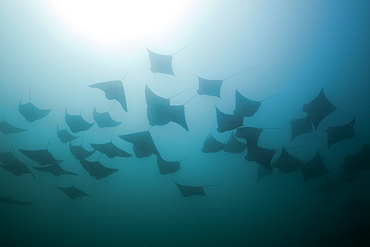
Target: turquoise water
x,y
298,47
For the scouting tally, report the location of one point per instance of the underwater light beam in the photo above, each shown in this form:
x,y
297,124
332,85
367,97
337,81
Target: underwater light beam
x,y
116,21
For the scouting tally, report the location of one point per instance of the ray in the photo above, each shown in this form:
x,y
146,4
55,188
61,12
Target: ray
x,y
42,156
319,108
251,134
160,112
31,113
314,168
104,120
359,161
110,150
79,152
235,146
10,201
177,115
159,115
7,158
339,133
113,90
17,168
161,63
143,144
247,107
54,169
300,126
187,191
166,167
65,136
261,156
213,87
76,123
153,99
209,87
6,128
96,169
211,145
71,191
287,162
227,122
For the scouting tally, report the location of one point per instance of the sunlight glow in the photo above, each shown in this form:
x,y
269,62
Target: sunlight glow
x,y
115,21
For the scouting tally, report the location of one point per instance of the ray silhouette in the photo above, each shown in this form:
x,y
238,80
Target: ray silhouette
x,y
300,126
160,112
143,144
227,122
79,152
110,150
313,168
42,156
261,156
166,167
10,201
287,162
153,99
65,136
187,191
339,133
213,87
17,168
233,145
76,123
96,169
209,87
250,134
247,107
7,157
54,169
319,108
6,128
104,119
113,90
161,63
211,145
71,191
359,161
159,115
31,113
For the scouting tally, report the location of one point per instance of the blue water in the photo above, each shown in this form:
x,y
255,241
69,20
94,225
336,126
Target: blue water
x,y
298,47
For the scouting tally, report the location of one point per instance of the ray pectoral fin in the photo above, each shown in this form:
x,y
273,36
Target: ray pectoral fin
x,y
160,63
319,108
